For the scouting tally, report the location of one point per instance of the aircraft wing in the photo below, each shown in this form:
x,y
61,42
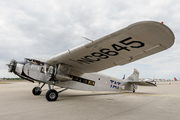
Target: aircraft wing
x,y
134,42
142,83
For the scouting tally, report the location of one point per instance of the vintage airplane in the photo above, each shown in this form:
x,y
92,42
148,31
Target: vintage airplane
x,y
77,68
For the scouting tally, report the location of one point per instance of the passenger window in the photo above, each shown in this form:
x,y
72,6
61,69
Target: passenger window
x,y
89,82
93,83
79,79
76,79
42,69
82,80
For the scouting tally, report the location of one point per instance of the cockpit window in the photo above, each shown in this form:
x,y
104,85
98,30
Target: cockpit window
x,y
38,63
42,69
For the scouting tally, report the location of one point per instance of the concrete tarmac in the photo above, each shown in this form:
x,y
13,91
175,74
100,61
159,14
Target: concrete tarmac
x,y
148,103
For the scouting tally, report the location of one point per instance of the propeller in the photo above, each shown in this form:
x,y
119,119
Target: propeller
x,y
11,65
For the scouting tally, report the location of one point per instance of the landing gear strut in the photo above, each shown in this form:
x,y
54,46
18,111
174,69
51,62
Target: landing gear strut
x,y
51,94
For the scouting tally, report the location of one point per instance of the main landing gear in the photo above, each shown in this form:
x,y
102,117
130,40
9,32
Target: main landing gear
x,y
37,90
51,94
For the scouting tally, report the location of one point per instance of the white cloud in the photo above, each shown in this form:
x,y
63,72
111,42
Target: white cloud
x,y
44,28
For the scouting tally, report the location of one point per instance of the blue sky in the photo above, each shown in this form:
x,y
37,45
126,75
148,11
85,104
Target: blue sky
x,y
43,28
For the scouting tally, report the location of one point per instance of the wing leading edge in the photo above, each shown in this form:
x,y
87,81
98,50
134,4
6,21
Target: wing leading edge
x,y
119,48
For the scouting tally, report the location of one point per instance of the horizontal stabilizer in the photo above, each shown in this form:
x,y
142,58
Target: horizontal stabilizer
x,y
142,83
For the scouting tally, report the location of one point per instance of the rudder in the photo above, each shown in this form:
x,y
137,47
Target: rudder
x,y
134,76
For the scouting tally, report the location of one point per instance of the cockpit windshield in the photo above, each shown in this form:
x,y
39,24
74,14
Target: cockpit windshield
x,y
33,61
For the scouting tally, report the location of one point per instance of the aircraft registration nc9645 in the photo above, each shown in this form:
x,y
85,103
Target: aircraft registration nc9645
x,y
77,68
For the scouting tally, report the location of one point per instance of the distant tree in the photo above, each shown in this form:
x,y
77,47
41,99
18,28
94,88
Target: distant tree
x,y
12,78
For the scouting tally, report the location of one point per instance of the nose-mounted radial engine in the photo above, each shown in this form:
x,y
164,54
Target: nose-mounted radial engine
x,y
11,65
16,67
36,70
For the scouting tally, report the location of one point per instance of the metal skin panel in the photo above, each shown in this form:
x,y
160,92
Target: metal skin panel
x,y
19,68
105,83
34,71
132,43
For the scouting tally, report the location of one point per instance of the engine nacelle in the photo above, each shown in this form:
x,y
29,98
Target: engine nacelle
x,y
62,76
50,73
56,73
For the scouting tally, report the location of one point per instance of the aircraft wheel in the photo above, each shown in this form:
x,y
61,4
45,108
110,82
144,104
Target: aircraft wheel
x,y
133,90
36,91
52,95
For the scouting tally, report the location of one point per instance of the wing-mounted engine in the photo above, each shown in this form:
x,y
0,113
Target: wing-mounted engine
x,y
59,72
62,72
50,73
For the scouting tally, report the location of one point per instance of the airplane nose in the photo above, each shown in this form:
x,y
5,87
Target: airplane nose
x,y
12,65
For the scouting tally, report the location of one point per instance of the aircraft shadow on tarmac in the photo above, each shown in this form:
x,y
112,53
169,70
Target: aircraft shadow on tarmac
x,y
74,95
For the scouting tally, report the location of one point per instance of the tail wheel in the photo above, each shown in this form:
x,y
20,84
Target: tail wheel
x,y
133,90
52,95
36,91
134,87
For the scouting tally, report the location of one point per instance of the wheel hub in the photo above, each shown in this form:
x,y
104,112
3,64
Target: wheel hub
x,y
52,95
37,90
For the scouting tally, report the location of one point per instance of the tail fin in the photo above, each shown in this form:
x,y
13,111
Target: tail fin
x,y
134,76
175,79
124,77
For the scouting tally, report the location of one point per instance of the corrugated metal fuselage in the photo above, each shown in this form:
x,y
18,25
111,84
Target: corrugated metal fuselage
x,y
75,80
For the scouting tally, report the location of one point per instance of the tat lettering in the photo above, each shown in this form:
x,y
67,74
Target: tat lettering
x,y
114,84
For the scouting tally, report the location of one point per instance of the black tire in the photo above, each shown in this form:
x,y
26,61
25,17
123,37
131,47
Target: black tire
x,y
133,90
36,91
52,95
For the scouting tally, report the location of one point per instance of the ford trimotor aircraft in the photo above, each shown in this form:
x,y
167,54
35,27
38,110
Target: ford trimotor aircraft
x,y
77,68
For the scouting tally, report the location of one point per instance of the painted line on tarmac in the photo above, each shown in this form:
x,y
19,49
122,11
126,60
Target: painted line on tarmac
x,y
152,95
140,94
